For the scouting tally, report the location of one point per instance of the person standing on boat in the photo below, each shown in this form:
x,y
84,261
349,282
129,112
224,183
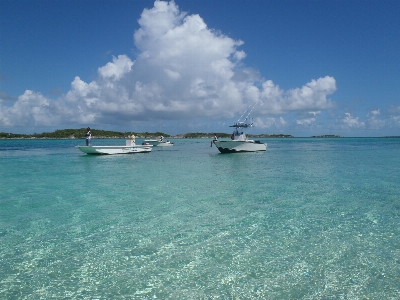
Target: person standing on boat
x,y
88,136
215,139
132,139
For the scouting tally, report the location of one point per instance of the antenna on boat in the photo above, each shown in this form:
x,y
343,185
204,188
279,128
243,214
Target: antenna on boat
x,y
249,109
247,116
242,116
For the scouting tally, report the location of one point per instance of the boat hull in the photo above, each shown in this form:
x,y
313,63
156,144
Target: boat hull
x,y
157,143
115,149
240,146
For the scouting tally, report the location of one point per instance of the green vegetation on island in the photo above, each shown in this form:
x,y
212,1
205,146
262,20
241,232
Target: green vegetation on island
x,y
326,136
105,134
199,135
79,134
274,135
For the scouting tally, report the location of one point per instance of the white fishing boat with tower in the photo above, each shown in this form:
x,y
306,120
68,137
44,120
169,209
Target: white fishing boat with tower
x,y
239,141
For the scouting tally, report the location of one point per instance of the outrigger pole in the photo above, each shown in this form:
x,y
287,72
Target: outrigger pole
x,y
249,110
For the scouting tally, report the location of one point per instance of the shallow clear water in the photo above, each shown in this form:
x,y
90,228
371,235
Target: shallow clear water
x,y
307,219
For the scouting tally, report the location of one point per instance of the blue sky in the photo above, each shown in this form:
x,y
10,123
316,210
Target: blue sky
x,y
309,67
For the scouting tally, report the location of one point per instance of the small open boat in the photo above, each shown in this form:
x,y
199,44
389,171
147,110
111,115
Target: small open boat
x,y
129,148
158,143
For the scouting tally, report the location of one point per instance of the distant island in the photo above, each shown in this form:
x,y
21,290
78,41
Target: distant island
x,y
326,136
80,134
105,134
228,135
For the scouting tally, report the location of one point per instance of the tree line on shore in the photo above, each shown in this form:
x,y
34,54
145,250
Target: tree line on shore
x,y
80,134
97,133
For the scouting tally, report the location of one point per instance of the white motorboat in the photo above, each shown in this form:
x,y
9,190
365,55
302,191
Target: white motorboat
x,y
158,143
239,141
129,148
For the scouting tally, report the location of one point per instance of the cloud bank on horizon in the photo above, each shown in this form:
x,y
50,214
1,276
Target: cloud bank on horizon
x,y
183,71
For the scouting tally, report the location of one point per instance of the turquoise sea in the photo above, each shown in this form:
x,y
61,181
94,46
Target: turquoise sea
x,y
307,219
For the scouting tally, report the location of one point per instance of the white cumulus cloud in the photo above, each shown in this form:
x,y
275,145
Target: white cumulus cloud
x,y
270,123
348,121
117,68
308,118
183,71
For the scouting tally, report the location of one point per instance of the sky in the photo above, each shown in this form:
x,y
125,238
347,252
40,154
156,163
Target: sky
x,y
303,67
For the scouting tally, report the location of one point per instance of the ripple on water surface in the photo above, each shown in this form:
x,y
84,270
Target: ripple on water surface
x,y
300,222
